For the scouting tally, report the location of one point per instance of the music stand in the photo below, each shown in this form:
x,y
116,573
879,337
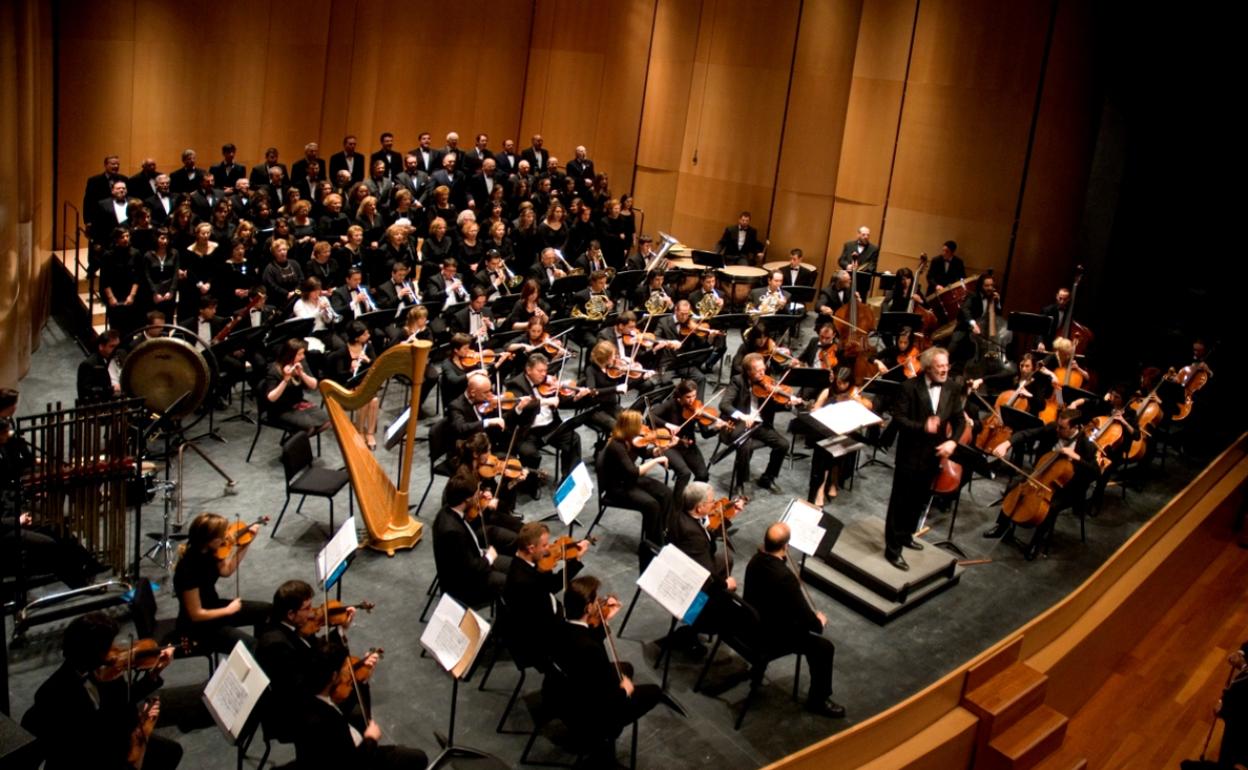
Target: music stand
x,y
560,325
891,324
866,279
691,359
1071,394
800,295
569,284
808,377
707,258
503,306
973,460
886,392
1030,325
887,281
625,281
778,325
247,340
380,319
567,426
729,321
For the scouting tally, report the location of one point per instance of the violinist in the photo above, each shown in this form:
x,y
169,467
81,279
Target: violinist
x,y
928,414
203,615
773,588
464,359
475,410
286,651
498,522
591,691
626,480
684,415
347,367
326,738
83,719
530,306
757,414
758,340
630,345
469,569
904,351
688,532
538,417
827,472
605,389
1063,436
681,333
530,594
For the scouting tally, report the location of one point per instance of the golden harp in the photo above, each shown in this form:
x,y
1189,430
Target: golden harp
x,y
382,504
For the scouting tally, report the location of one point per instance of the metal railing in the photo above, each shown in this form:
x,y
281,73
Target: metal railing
x,y
78,233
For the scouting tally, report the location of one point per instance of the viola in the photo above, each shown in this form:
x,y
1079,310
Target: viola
x,y
646,340
564,547
725,510
142,655
337,614
491,466
238,534
782,356
477,359
353,670
660,438
705,413
767,387
827,357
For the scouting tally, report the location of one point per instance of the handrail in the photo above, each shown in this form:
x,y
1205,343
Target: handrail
x,y
79,231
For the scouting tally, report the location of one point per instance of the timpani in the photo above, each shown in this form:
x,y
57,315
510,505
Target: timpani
x,y
690,275
739,281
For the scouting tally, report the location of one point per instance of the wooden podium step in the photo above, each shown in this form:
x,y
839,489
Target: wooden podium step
x,y
1064,759
1006,698
1029,741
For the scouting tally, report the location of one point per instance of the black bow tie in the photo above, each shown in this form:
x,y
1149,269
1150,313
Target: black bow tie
x,y
936,385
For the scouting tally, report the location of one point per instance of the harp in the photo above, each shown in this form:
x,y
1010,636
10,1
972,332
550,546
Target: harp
x,y
382,504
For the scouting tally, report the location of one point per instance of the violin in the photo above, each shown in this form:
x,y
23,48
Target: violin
x,y
909,362
827,357
553,386
483,358
494,402
767,387
142,655
564,547
646,340
632,371
782,356
698,328
725,511
660,438
604,606
337,614
353,670
491,466
238,534
706,414
855,394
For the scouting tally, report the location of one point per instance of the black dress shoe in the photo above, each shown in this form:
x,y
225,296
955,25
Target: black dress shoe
x,y
769,484
913,545
897,560
826,708
997,531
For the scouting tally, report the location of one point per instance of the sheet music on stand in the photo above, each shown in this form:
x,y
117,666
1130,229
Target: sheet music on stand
x,y
805,526
675,581
234,690
455,635
333,559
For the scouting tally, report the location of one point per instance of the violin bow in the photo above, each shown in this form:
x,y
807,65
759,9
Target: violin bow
x,y
700,410
615,655
238,563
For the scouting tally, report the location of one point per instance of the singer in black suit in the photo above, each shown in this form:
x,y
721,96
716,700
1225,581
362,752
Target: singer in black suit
x,y
338,161
923,439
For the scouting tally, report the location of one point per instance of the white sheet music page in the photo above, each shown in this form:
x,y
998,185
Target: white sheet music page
x,y
673,580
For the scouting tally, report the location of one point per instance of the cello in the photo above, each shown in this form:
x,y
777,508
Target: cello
x,y
1147,414
1030,502
928,318
859,321
1071,329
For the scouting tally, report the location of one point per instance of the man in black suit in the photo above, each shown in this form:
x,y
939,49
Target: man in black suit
x,y
351,300
413,180
536,155
387,153
508,161
530,596
538,418
750,413
860,250
592,694
481,186
831,297
143,183
162,203
444,289
186,179
260,172
242,199
205,198
1057,312
547,270
687,531
82,720
426,156
111,212
398,290
100,187
947,270
379,184
774,296
453,179
795,274
277,188
555,176
928,410
227,172
464,417
581,168
475,158
324,737
450,148
474,318
470,571
299,171
790,621
348,160
739,244
1064,436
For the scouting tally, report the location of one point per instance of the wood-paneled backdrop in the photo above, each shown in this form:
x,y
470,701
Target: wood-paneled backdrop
x,y
926,120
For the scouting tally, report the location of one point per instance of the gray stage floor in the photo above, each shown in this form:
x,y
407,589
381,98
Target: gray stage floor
x,y
875,666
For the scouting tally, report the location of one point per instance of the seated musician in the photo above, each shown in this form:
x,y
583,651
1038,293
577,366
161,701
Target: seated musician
x,y
469,569
592,692
605,389
1065,437
351,300
466,414
461,362
95,381
346,366
284,389
538,417
899,361
708,284
529,306
84,718
641,259
494,275
324,736
688,531
758,340
547,270
444,289
750,412
592,261
314,303
651,295
827,472
774,590
626,481
1057,312
499,512
794,274
970,334
475,318
831,297
203,615
739,244
678,335
625,336
593,294
1114,407
259,312
820,353
286,651
530,595
685,459
1063,357
770,299
398,290
536,339
897,299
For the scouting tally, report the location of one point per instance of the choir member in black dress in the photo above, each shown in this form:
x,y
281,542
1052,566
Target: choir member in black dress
x,y
203,616
119,282
282,277
235,279
323,267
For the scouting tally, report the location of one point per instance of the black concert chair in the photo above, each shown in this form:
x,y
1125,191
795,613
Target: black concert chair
x,y
303,478
545,720
606,501
506,629
441,440
263,420
743,632
146,626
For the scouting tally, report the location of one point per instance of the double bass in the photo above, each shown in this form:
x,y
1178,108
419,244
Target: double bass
x,y
857,321
1069,327
928,321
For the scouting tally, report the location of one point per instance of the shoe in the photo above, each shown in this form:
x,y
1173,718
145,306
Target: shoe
x,y
826,708
997,531
1032,551
897,560
913,545
769,484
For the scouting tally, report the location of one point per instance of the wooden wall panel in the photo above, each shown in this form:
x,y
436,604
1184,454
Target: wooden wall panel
x,y
814,128
964,127
875,96
586,75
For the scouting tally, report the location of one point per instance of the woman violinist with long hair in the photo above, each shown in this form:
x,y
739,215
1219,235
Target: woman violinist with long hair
x,y
203,616
625,480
